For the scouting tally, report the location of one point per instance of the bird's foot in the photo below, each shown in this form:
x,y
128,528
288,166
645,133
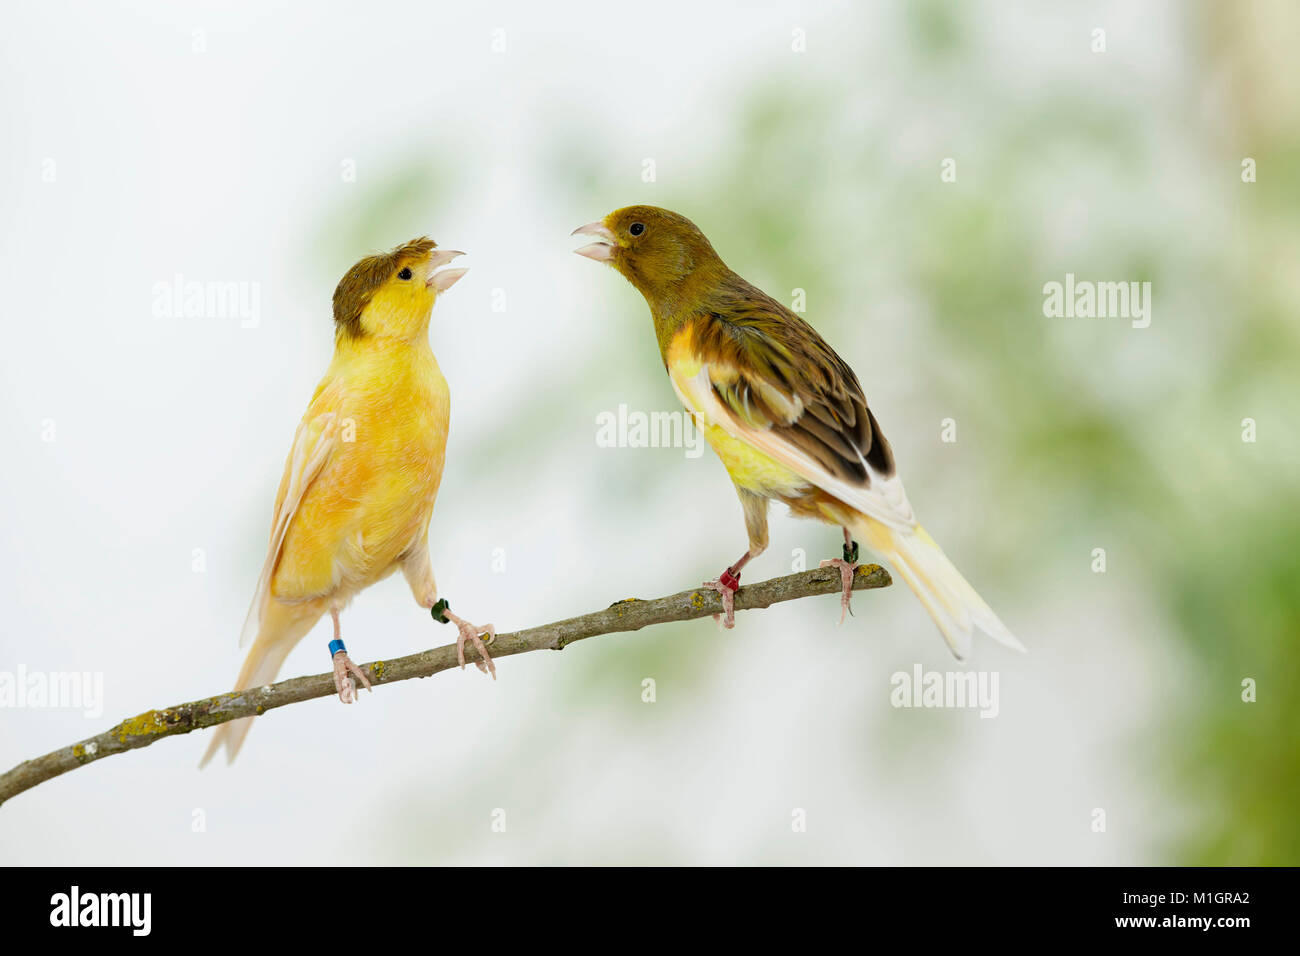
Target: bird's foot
x,y
441,611
344,670
474,635
726,584
847,565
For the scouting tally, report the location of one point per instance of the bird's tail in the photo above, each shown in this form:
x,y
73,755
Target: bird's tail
x,y
282,627
951,601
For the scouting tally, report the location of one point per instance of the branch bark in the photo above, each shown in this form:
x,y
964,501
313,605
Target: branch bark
x,y
628,615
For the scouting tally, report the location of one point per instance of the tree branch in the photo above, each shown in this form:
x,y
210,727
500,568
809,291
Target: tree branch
x,y
629,615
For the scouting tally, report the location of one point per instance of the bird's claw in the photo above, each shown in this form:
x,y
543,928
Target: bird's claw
x,y
847,569
344,670
726,584
469,633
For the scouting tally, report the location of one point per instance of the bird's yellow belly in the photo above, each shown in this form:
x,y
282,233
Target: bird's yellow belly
x,y
356,522
753,470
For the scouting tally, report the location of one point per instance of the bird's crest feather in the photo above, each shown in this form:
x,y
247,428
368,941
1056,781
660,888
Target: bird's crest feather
x,y
364,279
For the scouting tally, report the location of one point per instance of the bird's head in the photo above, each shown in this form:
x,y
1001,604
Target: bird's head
x,y
392,293
658,251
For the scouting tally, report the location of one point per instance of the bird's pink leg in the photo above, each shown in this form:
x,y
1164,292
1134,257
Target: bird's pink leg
x,y
420,576
727,584
468,632
344,668
847,565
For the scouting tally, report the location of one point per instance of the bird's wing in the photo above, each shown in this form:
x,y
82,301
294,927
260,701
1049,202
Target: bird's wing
x,y
768,379
313,444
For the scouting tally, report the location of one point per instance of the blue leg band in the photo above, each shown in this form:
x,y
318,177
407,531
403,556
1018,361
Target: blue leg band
x,y
335,646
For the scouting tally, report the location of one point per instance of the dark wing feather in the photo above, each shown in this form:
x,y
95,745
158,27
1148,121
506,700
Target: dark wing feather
x,y
787,379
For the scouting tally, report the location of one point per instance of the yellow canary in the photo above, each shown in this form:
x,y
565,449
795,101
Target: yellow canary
x,y
360,481
783,411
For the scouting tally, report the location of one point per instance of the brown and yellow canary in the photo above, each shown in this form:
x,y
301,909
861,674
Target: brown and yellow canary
x,y
783,411
360,480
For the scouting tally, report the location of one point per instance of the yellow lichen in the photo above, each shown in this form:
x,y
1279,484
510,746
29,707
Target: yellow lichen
x,y
150,722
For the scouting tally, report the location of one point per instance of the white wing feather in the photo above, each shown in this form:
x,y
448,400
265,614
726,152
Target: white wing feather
x,y
312,445
883,499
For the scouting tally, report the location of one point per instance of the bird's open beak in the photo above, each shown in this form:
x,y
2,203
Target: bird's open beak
x,y
444,280
602,251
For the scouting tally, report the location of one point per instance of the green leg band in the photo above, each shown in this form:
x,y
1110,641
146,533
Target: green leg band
x,y
438,610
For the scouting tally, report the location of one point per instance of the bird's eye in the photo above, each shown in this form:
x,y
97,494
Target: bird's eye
x,y
404,274
636,228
